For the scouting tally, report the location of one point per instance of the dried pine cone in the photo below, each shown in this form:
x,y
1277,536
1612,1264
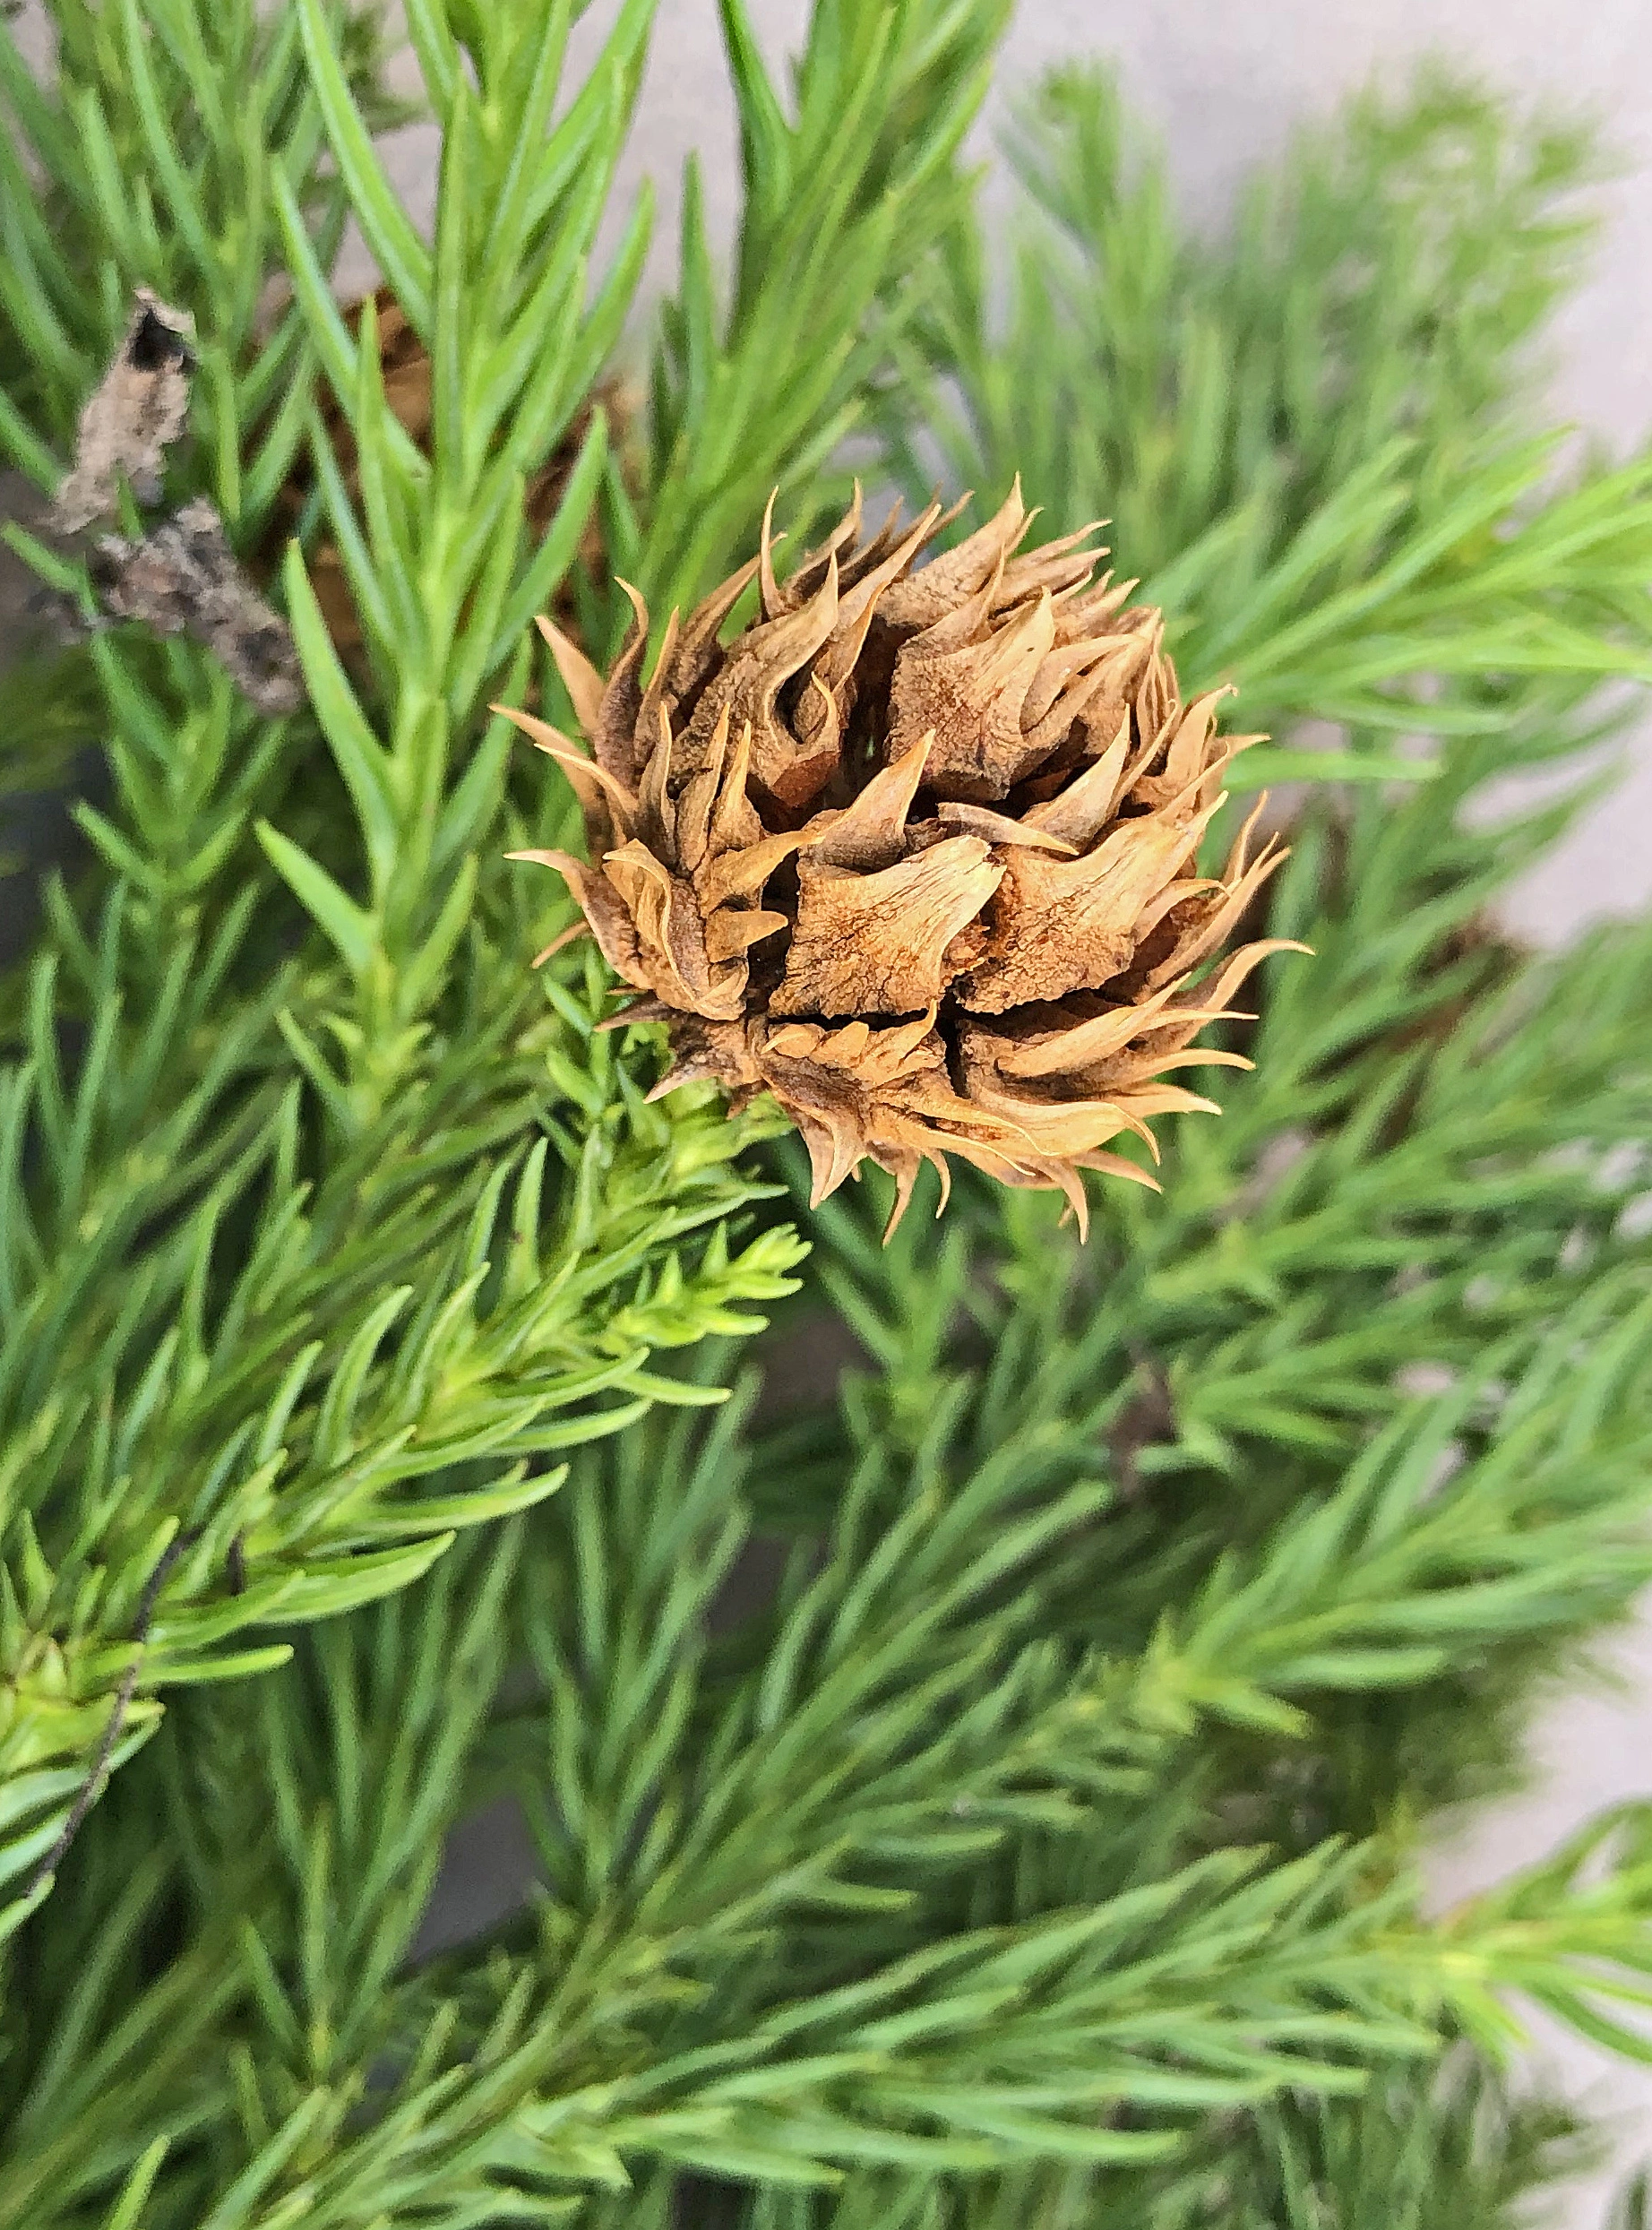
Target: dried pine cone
x,y
915,852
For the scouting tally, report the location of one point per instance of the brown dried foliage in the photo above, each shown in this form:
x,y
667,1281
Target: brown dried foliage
x,y
181,577
915,852
131,417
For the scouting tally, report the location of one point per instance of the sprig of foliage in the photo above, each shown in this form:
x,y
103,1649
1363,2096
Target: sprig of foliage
x,y
266,1189
894,1744
845,197
968,1802
1418,2149
335,1313
1301,436
1430,1161
251,1420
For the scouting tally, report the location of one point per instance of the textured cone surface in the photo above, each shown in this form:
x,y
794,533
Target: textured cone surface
x,y
915,852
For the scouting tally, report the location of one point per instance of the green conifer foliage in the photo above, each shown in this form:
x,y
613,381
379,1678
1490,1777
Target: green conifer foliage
x,y
976,1769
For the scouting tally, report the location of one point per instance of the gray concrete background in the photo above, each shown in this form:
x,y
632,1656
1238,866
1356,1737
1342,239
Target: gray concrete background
x,y
1225,83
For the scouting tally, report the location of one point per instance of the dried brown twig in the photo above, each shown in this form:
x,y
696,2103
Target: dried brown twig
x,y
182,578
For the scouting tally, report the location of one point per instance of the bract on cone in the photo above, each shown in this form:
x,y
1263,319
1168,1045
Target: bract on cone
x,y
915,852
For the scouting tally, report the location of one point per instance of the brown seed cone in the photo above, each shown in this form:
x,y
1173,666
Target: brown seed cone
x,y
915,852
405,368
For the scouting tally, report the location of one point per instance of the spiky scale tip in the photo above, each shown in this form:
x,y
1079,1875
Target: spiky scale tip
x,y
915,852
